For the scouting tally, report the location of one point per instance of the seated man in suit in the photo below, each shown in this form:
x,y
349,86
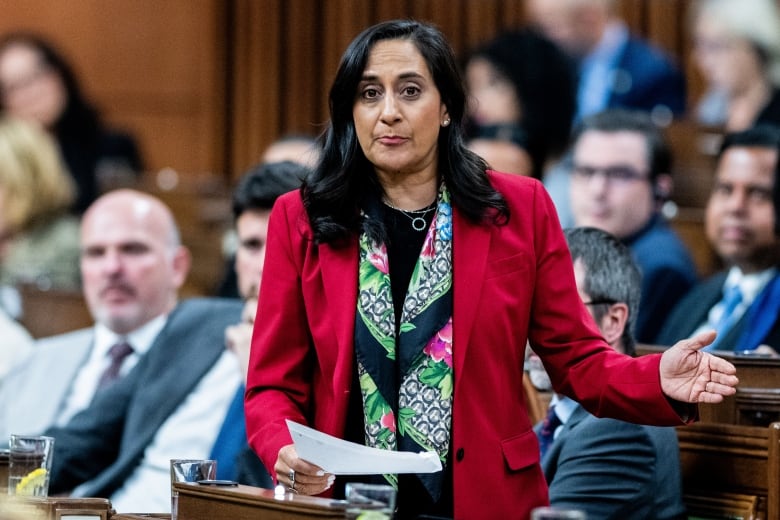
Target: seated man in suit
x,y
616,69
253,199
741,303
184,401
605,467
132,266
620,177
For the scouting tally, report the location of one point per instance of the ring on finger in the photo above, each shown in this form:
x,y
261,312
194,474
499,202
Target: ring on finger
x,y
292,479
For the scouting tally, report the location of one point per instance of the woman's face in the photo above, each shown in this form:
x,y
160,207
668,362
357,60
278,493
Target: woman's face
x,y
492,96
30,89
726,61
398,111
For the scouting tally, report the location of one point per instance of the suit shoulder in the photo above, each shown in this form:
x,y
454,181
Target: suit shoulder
x,y
605,427
68,339
208,305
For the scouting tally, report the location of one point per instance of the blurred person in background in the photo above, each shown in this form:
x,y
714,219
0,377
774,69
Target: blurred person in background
x,y
643,478
741,302
37,84
521,91
737,50
298,148
615,68
40,239
619,180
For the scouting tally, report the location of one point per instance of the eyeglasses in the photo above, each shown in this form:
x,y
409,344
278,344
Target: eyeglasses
x,y
621,173
601,301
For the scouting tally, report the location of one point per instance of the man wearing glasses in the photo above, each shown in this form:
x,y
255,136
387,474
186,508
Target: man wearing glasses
x,y
606,467
620,178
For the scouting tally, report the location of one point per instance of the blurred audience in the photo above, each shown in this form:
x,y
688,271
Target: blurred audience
x,y
620,178
133,265
37,84
301,149
38,237
253,199
292,150
615,68
606,467
737,51
742,303
521,90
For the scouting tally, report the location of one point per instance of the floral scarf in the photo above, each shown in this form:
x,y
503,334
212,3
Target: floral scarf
x,y
406,378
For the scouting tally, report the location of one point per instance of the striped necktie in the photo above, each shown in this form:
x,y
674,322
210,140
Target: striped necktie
x,y
547,432
117,353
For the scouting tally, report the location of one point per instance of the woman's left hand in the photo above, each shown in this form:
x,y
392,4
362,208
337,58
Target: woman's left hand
x,y
300,476
692,376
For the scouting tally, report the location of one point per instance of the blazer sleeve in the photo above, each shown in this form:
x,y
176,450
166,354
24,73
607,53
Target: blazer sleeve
x,y
605,468
280,373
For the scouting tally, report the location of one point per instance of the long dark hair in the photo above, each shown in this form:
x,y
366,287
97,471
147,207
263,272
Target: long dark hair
x,y
345,180
78,115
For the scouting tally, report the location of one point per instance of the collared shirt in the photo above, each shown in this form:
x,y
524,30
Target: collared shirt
x,y
564,407
597,71
188,433
84,385
750,285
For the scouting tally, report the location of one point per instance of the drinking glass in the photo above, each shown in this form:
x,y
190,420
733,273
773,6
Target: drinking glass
x,y
189,470
29,465
370,501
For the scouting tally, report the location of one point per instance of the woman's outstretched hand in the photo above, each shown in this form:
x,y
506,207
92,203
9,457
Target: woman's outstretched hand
x,y
692,376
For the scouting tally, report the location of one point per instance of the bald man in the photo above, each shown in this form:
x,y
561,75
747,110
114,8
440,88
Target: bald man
x,y
132,265
109,411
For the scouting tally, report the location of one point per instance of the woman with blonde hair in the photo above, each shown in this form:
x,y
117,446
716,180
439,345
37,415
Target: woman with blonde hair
x,y
737,51
38,237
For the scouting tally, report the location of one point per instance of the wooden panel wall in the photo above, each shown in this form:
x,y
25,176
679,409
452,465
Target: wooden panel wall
x,y
206,85
288,52
154,67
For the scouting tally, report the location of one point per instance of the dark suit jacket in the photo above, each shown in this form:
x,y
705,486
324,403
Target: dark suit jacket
x,y
104,443
692,311
645,78
614,470
510,283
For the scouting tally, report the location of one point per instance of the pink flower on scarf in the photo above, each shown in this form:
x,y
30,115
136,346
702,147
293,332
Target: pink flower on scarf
x,y
440,346
428,249
378,258
388,421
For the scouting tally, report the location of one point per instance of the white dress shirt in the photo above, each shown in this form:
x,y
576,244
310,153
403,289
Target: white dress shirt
x,y
84,385
189,433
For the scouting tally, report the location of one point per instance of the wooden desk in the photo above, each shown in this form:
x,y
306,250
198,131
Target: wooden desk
x,y
730,469
197,502
54,508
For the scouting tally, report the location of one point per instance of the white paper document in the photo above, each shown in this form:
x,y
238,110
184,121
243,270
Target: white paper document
x,y
341,457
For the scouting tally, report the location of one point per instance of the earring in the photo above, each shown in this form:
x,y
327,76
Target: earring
x,y
446,122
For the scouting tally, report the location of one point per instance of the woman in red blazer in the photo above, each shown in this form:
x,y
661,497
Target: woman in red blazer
x,y
400,287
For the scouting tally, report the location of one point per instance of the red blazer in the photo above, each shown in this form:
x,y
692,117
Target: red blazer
x,y
512,283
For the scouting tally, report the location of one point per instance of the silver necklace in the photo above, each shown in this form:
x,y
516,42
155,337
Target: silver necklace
x,y
416,216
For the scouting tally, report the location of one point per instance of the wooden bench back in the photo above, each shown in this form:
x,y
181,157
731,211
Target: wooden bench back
x,y
730,470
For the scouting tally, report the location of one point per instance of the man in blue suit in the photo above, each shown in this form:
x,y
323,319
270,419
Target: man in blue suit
x,y
616,69
742,226
605,467
619,180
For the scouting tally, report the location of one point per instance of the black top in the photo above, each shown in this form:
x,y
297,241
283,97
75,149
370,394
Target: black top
x,y
403,249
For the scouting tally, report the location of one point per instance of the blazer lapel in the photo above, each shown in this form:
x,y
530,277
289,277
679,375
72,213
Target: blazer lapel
x,y
470,251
